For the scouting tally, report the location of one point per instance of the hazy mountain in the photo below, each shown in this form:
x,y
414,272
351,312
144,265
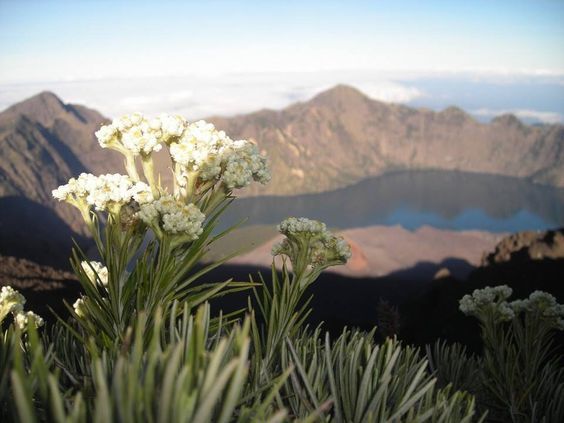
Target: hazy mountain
x,y
339,137
342,136
44,142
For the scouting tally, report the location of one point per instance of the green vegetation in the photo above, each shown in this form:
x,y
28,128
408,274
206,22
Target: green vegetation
x,y
141,344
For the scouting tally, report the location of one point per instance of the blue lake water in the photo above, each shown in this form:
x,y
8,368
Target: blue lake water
x,y
446,200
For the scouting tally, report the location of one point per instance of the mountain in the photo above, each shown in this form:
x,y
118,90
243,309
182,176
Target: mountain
x,y
44,142
337,138
342,136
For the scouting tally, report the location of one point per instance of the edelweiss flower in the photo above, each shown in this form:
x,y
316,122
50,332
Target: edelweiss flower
x,y
141,193
488,300
308,243
95,271
544,305
11,301
172,127
243,165
298,225
132,133
104,192
173,216
22,320
214,156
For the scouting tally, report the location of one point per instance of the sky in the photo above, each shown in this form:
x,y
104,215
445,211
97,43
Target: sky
x,y
226,57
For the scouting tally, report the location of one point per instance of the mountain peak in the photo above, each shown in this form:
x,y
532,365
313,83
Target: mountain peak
x,y
43,107
340,93
507,119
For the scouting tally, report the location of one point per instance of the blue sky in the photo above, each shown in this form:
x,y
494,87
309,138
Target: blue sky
x,y
56,42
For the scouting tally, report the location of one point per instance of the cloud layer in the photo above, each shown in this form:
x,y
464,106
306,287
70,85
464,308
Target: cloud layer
x,y
201,96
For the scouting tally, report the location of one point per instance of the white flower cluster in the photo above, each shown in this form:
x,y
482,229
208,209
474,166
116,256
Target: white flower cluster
x,y
102,192
324,249
173,217
132,133
22,319
544,304
11,301
488,299
214,156
297,225
195,147
243,165
95,271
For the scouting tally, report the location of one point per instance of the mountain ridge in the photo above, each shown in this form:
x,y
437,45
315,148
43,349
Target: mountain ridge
x,y
335,139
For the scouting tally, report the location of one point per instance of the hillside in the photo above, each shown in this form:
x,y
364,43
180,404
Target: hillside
x,y
342,136
44,142
337,138
385,250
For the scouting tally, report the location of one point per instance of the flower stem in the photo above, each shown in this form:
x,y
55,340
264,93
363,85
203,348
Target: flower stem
x,y
130,166
147,161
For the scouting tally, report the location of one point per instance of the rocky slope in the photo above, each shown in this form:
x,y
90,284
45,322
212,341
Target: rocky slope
x,y
530,245
342,136
44,287
337,138
43,142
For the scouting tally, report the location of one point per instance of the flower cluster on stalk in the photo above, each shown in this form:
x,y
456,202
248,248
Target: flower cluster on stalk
x,y
492,301
11,301
543,305
205,161
309,245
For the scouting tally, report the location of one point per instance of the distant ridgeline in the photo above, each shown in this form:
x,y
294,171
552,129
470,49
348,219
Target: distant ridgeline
x,y
338,138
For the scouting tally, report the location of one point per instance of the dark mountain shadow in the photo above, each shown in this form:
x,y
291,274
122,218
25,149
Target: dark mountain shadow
x,y
435,313
428,309
32,231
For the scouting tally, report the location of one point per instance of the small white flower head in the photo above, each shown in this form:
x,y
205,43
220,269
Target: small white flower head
x,y
103,192
108,136
95,271
142,138
293,226
11,301
132,134
172,127
210,153
106,192
75,190
79,307
173,217
245,164
309,244
489,301
200,149
519,306
543,305
22,320
141,193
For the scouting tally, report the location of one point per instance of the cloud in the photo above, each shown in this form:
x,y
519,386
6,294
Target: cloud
x,y
390,92
200,96
525,114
